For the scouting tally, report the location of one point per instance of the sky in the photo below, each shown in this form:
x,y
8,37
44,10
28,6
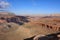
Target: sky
x,y
31,7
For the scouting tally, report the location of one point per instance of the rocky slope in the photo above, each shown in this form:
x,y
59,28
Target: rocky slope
x,y
9,23
14,27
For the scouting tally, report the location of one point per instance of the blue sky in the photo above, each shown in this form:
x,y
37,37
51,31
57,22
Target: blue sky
x,y
32,7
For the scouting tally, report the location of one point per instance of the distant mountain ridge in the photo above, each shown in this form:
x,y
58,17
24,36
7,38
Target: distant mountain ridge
x,y
6,13
11,17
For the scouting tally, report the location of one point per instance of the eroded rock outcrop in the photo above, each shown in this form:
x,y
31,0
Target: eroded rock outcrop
x,y
13,18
